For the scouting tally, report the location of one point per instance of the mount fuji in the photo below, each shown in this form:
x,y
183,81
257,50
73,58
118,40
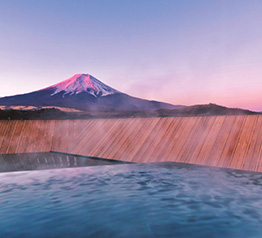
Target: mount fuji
x,y
86,93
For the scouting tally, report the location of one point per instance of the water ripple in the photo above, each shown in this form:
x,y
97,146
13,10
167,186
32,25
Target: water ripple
x,y
153,200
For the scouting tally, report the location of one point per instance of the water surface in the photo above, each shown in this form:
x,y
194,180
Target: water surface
x,y
131,200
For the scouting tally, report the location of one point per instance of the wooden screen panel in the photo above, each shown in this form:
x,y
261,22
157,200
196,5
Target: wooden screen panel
x,y
119,142
173,136
130,135
221,140
142,138
32,142
253,156
10,127
200,140
2,132
40,138
136,139
13,135
95,136
109,141
209,143
231,142
21,137
194,138
16,138
180,141
71,134
146,146
23,146
160,132
56,141
224,141
47,145
105,137
166,141
81,140
64,129
42,135
238,157
3,135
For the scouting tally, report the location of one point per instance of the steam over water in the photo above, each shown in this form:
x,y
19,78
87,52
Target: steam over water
x,y
131,200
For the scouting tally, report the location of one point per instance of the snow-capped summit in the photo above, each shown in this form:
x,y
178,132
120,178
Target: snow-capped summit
x,y
82,83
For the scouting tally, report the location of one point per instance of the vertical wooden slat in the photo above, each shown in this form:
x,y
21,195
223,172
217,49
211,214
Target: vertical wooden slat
x,y
180,143
27,133
4,132
39,137
172,137
140,132
56,141
209,143
140,141
156,143
200,140
194,140
238,159
164,144
232,141
221,140
49,136
119,143
8,136
147,145
33,136
253,156
20,136
128,139
101,138
88,128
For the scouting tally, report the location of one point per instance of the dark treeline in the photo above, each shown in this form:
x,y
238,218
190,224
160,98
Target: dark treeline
x,y
56,114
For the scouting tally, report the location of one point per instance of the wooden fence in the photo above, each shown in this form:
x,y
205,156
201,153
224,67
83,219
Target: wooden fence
x,y
223,141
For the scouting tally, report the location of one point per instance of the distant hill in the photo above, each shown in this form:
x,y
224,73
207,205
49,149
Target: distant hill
x,y
205,110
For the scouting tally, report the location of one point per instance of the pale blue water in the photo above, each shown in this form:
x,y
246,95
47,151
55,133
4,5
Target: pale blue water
x,y
153,200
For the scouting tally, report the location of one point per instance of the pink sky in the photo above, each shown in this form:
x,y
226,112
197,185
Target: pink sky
x,y
181,52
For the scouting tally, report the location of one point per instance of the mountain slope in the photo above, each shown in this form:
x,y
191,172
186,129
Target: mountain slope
x,y
84,92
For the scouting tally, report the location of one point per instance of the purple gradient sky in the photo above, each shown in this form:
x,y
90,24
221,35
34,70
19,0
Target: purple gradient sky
x,y
182,52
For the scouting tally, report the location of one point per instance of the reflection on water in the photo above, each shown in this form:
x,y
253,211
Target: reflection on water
x,y
135,200
47,160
